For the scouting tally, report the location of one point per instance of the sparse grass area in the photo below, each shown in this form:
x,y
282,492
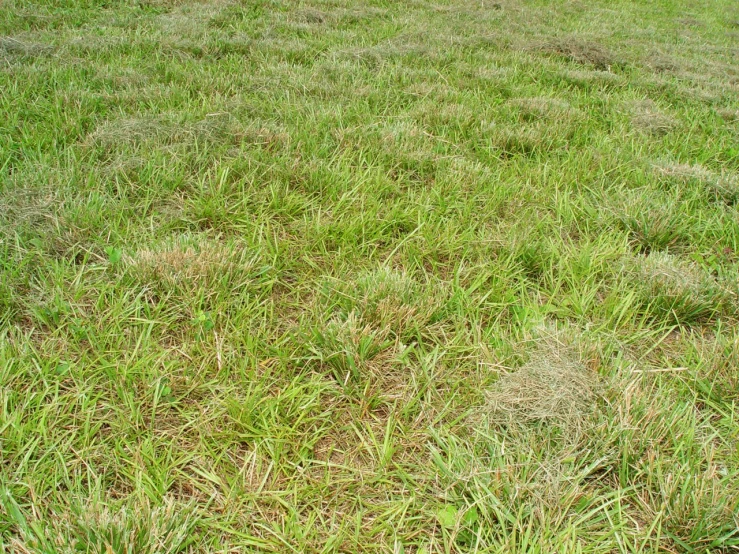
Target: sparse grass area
x,y
431,276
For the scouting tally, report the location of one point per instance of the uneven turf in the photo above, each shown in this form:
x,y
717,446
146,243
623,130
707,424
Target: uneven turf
x,y
424,276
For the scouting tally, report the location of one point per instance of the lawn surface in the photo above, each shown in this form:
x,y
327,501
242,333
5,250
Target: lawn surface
x,y
424,276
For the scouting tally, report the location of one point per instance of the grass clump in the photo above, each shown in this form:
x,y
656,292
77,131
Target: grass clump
x,y
388,300
586,52
677,291
721,187
96,528
648,118
349,349
654,220
189,267
552,388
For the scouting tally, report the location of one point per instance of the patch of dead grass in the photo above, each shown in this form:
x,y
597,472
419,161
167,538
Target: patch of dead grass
x,y
163,130
136,528
647,117
723,187
553,387
186,268
582,51
728,114
12,48
689,21
187,18
529,141
663,63
592,79
671,273
181,262
540,107
313,17
679,290
387,300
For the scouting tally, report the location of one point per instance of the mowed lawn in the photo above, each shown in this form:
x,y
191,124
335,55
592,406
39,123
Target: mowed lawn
x,y
358,276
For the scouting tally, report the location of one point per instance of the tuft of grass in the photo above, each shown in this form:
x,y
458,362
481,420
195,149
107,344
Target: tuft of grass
x,y
647,117
723,188
586,52
676,290
94,527
553,387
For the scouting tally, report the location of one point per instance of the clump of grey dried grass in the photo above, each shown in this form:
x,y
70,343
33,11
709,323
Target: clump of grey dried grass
x,y
668,285
582,51
535,108
647,117
670,273
723,187
164,130
553,387
94,527
12,48
728,114
187,265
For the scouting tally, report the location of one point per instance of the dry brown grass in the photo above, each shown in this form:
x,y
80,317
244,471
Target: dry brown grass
x,y
12,49
663,63
192,268
180,263
699,280
728,114
553,387
671,272
647,117
676,289
684,172
391,299
137,528
164,130
582,51
536,108
723,187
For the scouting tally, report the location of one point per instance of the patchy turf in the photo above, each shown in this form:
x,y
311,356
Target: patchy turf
x,y
369,276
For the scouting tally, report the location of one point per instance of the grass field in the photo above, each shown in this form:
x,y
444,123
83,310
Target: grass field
x,y
322,276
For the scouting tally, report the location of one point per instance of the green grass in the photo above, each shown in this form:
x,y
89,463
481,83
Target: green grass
x,y
431,276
